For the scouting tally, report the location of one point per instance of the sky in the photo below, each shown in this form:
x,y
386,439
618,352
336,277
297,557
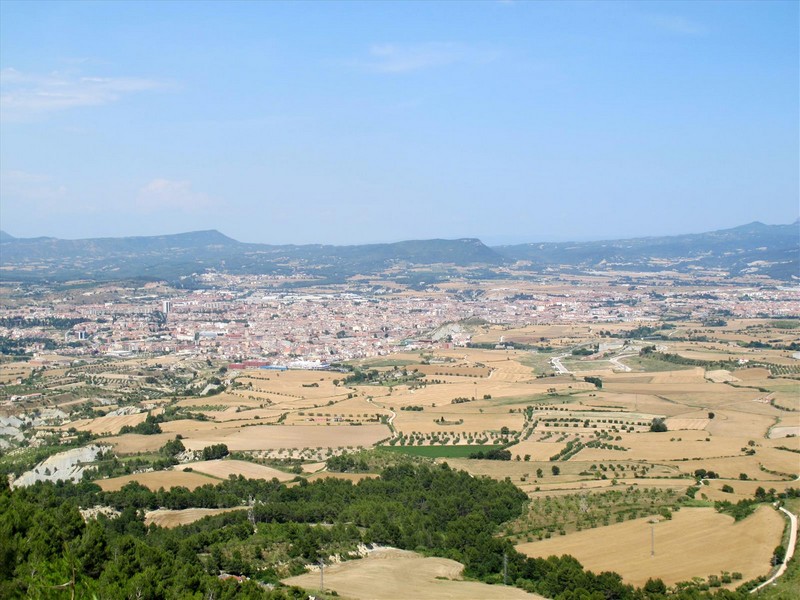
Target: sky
x,y
349,123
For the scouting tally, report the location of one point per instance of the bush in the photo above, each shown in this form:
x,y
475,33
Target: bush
x,y
658,426
214,452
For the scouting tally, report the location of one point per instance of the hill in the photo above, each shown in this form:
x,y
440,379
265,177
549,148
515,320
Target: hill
x,y
180,255
771,250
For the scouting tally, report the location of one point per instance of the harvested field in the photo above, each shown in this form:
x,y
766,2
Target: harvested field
x,y
267,437
158,479
751,374
676,423
720,376
131,443
778,461
225,468
313,467
111,425
389,574
537,450
164,517
452,370
681,546
782,432
471,420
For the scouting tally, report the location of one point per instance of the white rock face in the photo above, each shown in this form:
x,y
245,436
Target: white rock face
x,y
66,466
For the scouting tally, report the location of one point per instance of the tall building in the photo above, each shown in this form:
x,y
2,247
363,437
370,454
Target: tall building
x,y
166,307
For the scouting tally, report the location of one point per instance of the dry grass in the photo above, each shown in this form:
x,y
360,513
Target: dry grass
x,y
681,546
391,574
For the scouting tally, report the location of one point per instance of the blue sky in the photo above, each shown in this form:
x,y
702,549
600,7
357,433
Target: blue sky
x,y
361,122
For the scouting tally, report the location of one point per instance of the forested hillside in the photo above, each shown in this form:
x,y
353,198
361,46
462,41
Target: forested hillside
x,y
46,548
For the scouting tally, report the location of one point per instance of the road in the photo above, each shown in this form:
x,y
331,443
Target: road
x,y
391,419
615,361
556,363
789,550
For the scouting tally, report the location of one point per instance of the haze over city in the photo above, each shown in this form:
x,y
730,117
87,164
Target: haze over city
x,y
361,122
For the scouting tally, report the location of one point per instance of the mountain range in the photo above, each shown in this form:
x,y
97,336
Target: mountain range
x,y
756,248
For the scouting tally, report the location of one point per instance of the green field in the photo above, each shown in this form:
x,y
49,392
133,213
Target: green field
x,y
650,364
442,451
383,362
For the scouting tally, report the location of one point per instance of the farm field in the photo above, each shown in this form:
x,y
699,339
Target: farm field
x,y
158,479
354,477
460,451
110,425
164,517
587,448
225,468
132,443
681,546
388,574
267,437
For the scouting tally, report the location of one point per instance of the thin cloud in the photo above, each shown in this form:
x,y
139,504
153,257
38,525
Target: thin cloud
x,y
405,58
25,95
677,25
167,194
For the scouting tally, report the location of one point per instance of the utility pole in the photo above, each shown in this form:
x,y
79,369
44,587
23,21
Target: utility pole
x,y
652,539
321,575
505,568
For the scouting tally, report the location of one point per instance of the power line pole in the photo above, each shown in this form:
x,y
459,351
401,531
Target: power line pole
x,y
321,575
505,568
652,540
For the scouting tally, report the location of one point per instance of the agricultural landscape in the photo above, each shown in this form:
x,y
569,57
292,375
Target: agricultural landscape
x,y
632,428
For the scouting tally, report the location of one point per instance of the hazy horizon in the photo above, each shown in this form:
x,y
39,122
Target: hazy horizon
x,y
487,240
345,123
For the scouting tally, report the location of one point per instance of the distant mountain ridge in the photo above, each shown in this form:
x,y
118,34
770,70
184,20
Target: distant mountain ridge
x,y
755,248
174,256
739,250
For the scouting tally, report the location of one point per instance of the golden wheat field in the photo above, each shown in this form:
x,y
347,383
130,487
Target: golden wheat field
x,y
681,546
